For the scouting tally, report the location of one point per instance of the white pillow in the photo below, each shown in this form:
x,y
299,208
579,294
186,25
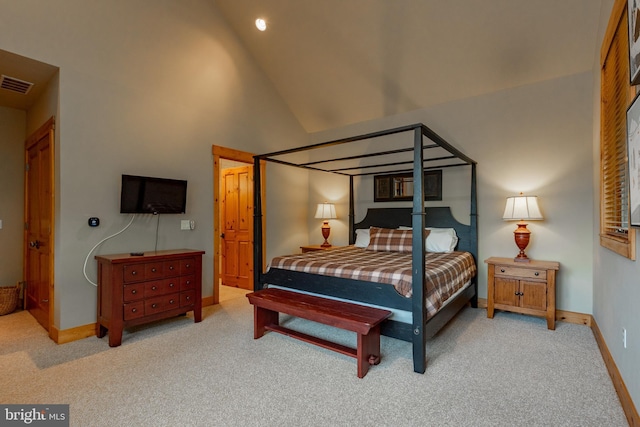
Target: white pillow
x,y
362,238
439,239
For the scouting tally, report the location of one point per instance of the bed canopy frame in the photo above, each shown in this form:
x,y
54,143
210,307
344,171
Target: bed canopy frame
x,y
369,154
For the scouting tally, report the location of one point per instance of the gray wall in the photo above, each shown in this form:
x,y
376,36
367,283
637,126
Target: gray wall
x,y
535,139
12,136
616,283
145,88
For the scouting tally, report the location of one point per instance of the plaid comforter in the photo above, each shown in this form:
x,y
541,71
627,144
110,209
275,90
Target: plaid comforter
x,y
446,273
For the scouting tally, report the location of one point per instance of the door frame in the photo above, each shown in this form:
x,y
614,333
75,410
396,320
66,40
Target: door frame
x,y
48,128
220,152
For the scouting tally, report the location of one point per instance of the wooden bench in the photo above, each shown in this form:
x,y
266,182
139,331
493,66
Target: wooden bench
x,y
364,321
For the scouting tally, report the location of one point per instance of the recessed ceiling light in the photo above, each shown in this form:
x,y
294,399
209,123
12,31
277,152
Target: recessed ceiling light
x,y
261,24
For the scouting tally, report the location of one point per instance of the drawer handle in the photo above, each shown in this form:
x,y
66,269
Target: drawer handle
x,y
188,298
153,288
134,310
537,273
188,282
171,301
134,291
519,293
171,267
153,270
133,273
154,305
502,270
188,265
171,285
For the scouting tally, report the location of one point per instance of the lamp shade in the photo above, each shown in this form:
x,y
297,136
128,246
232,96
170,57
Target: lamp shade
x,y
326,211
522,207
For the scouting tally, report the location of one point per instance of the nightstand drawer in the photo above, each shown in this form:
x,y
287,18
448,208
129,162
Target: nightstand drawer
x,y
524,273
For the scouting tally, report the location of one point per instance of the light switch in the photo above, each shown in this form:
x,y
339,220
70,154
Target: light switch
x,y
185,224
0,224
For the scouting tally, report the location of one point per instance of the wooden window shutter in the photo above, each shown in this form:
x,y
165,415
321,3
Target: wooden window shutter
x,y
616,95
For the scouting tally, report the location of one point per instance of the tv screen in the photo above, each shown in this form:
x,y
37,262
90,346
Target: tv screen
x,y
144,194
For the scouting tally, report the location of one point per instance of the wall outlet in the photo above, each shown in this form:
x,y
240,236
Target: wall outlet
x,y
624,337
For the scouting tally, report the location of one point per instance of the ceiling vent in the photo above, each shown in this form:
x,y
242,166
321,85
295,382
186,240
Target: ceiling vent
x,y
15,85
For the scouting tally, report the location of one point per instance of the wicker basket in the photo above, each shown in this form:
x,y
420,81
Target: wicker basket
x,y
8,299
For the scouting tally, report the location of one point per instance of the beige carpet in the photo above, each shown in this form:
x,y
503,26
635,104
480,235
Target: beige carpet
x,y
506,371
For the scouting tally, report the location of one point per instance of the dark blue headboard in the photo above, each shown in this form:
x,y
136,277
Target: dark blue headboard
x,y
434,217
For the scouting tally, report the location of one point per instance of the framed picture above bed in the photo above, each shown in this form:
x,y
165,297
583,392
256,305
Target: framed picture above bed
x,y
399,187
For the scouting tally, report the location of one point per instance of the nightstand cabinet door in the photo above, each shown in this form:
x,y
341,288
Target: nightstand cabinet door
x,y
505,291
533,295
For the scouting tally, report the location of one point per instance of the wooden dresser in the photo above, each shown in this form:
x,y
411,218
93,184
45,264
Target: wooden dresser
x,y
133,290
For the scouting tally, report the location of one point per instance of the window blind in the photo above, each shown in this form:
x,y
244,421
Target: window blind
x,y
615,98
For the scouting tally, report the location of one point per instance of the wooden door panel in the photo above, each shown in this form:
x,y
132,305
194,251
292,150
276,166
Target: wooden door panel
x,y
534,295
230,202
505,291
245,202
230,264
245,264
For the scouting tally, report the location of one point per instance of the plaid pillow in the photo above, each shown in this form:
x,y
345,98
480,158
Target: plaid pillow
x,y
389,240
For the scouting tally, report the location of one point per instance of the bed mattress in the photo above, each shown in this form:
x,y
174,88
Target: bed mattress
x,y
446,273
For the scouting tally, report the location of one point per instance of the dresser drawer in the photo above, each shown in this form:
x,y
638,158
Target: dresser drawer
x,y
133,292
161,303
133,310
153,270
172,301
187,266
172,285
153,289
187,298
153,305
522,273
133,273
187,282
171,268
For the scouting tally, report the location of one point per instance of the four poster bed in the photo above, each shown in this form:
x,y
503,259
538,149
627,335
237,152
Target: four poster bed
x,y
396,259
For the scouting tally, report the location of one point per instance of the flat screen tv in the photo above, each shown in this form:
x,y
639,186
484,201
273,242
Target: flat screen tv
x,y
148,195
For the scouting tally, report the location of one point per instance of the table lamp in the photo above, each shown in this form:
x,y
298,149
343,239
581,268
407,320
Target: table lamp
x,y
326,211
522,208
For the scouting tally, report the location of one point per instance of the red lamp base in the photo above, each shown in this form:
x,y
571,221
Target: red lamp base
x,y
325,233
521,236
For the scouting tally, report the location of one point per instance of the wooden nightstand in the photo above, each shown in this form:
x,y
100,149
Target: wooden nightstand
x,y
312,248
522,287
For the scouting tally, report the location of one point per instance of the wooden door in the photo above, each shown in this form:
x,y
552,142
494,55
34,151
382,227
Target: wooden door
x,y
39,224
237,226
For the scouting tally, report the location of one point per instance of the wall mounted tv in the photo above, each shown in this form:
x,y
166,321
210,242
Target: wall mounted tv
x,y
148,195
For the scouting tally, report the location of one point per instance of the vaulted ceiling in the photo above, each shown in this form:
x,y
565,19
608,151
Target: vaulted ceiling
x,y
337,62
